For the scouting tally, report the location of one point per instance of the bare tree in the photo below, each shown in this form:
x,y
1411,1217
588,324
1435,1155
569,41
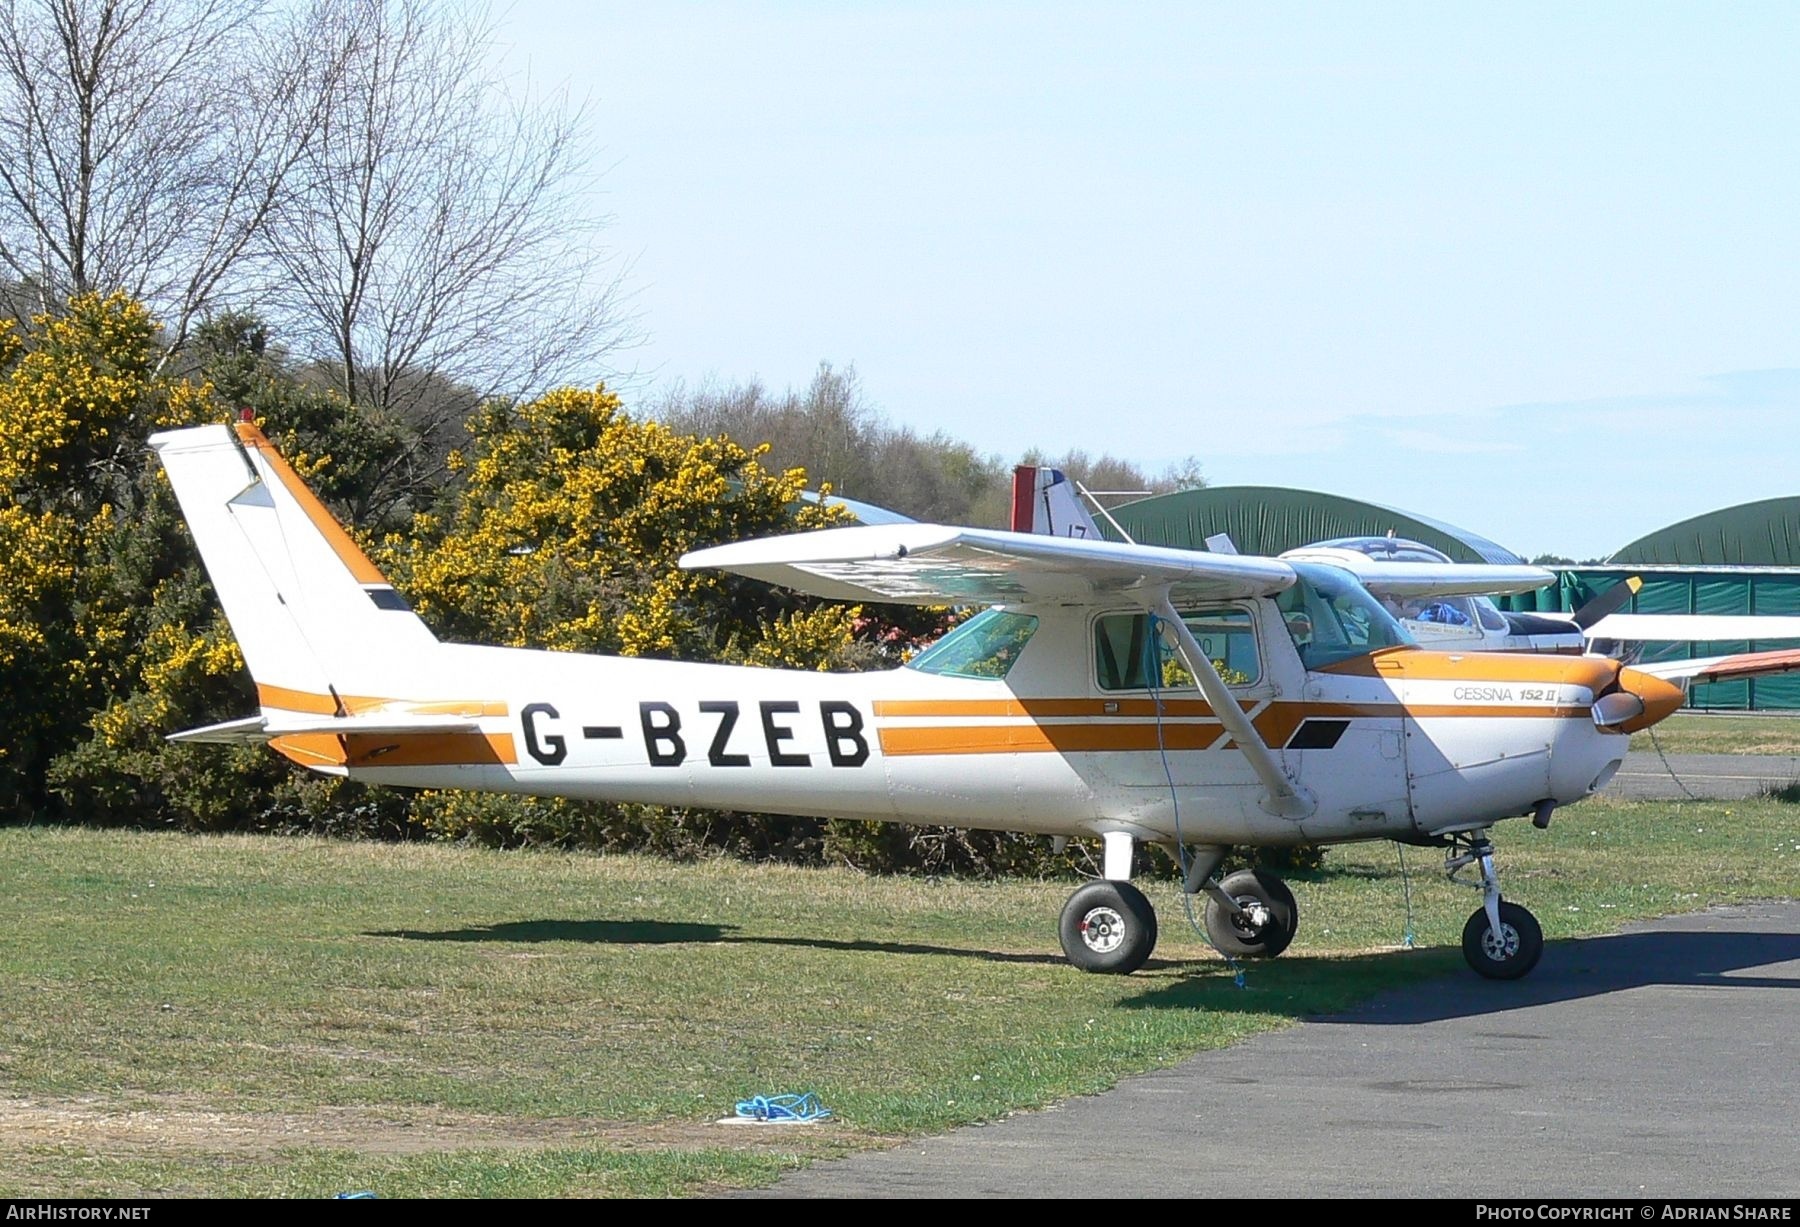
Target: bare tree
x,y
1110,474
832,431
435,234
145,143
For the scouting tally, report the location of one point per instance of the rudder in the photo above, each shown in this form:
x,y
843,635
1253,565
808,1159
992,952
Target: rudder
x,y
317,621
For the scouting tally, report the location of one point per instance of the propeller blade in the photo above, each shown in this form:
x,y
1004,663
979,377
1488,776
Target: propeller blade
x,y
1611,601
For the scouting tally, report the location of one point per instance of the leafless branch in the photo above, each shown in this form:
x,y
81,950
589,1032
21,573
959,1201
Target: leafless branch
x,y
436,231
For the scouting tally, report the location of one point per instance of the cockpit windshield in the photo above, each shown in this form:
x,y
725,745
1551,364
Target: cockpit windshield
x,y
1332,617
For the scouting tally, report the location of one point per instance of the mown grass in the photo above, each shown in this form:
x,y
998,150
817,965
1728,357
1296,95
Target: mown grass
x,y
264,1016
1708,734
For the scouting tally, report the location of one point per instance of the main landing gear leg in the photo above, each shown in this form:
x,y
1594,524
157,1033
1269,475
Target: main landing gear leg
x,y
1108,926
1502,940
1249,915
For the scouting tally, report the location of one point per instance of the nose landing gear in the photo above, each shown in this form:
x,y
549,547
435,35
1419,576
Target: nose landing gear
x,y
1501,941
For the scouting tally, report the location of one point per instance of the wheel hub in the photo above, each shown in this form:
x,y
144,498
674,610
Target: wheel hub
x,y
1103,930
1500,946
1253,919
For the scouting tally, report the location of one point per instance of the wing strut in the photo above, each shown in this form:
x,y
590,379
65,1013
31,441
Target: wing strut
x,y
1284,798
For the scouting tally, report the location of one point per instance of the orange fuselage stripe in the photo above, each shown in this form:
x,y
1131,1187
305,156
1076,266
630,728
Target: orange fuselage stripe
x,y
398,750
1422,665
1276,725
1039,738
1042,708
323,704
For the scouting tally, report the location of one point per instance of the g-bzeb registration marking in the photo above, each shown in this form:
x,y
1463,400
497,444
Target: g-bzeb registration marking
x,y
666,745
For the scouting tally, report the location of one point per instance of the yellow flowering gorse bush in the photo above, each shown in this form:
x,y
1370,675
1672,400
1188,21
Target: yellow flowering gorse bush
x,y
564,530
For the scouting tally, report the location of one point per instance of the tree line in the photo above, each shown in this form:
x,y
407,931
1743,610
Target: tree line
x,y
332,214
831,429
556,523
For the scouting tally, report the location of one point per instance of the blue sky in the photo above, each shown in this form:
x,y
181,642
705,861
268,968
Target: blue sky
x,y
1527,269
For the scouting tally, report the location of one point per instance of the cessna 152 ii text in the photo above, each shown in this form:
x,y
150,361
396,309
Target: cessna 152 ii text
x,y
1195,700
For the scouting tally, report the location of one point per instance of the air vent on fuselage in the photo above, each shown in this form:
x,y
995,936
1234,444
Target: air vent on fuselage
x,y
1317,734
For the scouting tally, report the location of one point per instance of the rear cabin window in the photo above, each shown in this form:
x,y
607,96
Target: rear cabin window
x,y
1124,657
987,645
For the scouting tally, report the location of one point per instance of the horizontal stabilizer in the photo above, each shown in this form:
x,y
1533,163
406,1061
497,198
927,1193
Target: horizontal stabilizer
x,y
245,732
254,730
930,564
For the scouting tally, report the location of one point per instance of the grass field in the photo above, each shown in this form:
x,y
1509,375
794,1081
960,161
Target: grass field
x,y
1705,734
243,1015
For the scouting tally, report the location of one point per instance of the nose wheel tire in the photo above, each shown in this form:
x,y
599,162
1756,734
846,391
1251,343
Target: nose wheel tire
x,y
1108,927
1267,922
1509,954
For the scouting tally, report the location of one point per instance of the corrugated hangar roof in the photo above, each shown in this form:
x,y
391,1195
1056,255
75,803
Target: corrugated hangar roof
x,y
1765,533
1270,519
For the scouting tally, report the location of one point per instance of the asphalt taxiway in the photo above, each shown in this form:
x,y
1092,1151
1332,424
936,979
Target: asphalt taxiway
x,y
1655,1063
1647,776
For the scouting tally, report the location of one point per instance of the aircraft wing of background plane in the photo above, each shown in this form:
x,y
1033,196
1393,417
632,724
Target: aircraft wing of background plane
x,y
1677,628
1407,579
1724,668
1451,579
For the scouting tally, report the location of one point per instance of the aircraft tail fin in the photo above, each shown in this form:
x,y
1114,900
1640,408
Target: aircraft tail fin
x,y
1045,502
317,622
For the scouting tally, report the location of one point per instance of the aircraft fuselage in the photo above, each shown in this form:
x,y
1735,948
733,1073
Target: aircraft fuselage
x,y
1400,744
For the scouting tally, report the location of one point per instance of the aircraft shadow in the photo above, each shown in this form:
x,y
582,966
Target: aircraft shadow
x,y
669,933
1395,988
1570,970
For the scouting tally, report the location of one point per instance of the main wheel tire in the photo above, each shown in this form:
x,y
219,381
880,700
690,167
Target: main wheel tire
x,y
1510,955
1108,927
1235,934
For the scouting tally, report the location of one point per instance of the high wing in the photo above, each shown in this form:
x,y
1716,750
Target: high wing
x,y
931,564
1385,577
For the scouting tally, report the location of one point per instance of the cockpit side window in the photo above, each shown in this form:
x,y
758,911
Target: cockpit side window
x,y
987,645
1125,658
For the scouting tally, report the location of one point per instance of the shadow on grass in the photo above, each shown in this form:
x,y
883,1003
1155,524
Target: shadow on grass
x,y
620,932
1429,985
1422,992
669,933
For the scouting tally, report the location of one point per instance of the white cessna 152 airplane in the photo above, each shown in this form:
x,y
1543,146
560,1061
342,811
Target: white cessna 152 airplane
x,y
1194,700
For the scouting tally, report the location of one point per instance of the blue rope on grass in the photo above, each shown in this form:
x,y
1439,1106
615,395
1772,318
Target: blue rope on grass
x,y
1407,939
803,1109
